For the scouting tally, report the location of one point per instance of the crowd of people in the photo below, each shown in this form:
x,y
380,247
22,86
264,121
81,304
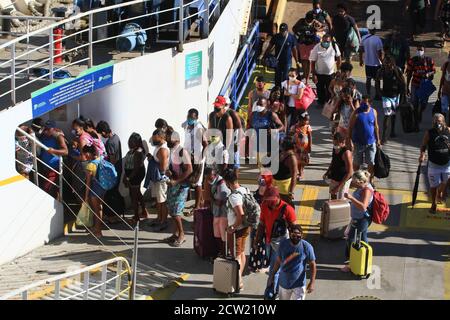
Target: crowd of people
x,y
208,161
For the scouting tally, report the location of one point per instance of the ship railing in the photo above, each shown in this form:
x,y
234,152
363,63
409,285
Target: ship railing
x,y
80,285
242,68
63,181
16,69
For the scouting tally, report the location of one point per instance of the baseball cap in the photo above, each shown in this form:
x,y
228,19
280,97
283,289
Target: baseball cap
x,y
283,27
271,194
50,124
220,101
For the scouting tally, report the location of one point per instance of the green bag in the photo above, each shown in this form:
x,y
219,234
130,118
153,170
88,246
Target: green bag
x,y
85,217
353,41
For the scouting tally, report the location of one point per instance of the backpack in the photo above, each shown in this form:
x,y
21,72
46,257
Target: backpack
x,y
106,174
252,210
279,227
438,148
153,173
379,209
382,164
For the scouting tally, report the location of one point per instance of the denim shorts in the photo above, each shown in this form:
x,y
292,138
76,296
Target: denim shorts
x,y
365,154
96,190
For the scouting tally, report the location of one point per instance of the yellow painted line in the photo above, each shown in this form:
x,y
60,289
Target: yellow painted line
x,y
45,292
447,277
419,217
306,209
11,180
166,292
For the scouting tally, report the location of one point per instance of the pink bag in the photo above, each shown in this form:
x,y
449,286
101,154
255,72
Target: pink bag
x,y
328,109
308,97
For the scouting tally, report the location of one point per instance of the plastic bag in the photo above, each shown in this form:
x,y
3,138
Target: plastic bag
x,y
85,217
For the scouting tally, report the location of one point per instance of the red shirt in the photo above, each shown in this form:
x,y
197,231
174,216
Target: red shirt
x,y
419,68
269,216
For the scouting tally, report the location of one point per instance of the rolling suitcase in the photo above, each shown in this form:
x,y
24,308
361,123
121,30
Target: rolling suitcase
x,y
335,219
204,242
360,257
407,116
226,274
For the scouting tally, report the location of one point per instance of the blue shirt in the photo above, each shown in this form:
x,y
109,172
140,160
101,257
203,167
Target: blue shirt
x,y
355,212
364,129
293,263
286,53
50,159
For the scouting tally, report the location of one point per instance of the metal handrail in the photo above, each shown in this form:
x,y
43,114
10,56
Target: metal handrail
x,y
30,17
23,292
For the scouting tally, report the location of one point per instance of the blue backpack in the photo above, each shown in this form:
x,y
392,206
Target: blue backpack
x,y
106,174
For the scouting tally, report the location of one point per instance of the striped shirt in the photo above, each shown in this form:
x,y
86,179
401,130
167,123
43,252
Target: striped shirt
x,y
419,68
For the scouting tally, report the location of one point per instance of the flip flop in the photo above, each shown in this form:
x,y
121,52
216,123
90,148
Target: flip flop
x,y
170,239
177,243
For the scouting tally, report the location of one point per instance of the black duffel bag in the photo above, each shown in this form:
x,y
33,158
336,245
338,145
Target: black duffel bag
x,y
382,164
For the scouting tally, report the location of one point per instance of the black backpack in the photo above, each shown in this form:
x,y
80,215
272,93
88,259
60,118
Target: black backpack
x,y
438,148
279,228
382,164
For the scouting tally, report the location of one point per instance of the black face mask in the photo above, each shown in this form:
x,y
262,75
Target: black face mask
x,y
170,145
295,240
217,110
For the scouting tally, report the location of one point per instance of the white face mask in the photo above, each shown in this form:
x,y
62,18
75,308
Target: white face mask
x,y
259,109
292,79
420,53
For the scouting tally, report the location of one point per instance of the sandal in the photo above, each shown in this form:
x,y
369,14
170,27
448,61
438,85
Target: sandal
x,y
170,239
177,243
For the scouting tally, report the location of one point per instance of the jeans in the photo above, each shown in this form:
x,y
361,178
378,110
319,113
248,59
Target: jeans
x,y
419,106
365,154
273,258
281,72
360,226
323,83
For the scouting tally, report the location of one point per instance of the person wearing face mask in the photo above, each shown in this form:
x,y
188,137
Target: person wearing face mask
x,y
340,170
180,168
277,105
344,108
264,121
274,211
159,188
134,175
54,140
321,15
419,68
253,97
306,30
293,90
325,60
393,87
436,142
364,135
219,193
397,46
194,143
343,26
285,179
293,258
222,123
360,202
285,44
371,55
444,88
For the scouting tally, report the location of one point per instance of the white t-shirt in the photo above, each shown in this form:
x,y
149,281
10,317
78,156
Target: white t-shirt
x,y
235,200
371,44
293,89
193,140
325,59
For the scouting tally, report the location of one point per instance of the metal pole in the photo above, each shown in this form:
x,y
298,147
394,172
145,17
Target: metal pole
x,y
134,262
181,27
13,73
90,39
51,53
118,279
61,178
28,48
206,22
35,162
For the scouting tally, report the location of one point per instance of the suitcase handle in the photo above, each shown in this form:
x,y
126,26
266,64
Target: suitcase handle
x,y
234,246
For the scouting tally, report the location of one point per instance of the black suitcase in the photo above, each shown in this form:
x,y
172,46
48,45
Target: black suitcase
x,y
407,116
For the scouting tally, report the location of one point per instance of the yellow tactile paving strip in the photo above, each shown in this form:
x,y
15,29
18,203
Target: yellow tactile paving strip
x,y
306,208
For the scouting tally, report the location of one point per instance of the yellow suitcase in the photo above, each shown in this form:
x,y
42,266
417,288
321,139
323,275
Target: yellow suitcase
x,y
361,258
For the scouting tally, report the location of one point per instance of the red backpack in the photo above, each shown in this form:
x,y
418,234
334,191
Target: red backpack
x,y
379,209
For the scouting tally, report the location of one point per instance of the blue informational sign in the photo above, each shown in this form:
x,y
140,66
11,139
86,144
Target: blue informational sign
x,y
64,91
193,69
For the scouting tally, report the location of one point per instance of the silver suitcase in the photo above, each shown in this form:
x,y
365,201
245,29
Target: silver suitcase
x,y
335,219
226,274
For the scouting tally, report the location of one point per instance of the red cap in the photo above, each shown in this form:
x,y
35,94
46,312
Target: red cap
x,y
220,101
271,193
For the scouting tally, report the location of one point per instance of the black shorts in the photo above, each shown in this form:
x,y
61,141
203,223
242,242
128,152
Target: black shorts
x,y
371,72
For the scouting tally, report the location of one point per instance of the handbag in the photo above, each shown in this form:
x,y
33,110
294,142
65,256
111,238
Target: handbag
x,y
328,109
271,61
308,97
425,89
85,217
